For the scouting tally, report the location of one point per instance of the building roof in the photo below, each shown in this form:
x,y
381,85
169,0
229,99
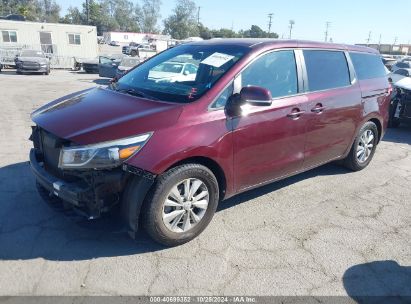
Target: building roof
x,y
3,21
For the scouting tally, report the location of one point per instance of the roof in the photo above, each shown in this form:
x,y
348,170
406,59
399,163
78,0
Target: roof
x,y
44,23
279,43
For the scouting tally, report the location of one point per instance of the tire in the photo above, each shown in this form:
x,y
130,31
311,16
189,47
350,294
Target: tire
x,y
48,72
154,208
352,161
133,53
19,72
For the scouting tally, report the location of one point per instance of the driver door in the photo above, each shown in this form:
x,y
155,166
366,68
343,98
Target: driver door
x,y
269,140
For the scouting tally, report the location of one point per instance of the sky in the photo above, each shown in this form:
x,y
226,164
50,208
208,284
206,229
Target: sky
x,y
351,20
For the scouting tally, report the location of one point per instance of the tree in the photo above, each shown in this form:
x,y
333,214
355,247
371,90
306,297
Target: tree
x,y
73,16
148,15
224,33
49,11
123,14
256,32
182,23
204,32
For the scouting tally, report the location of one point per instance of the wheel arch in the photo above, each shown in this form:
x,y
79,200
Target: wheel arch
x,y
379,127
210,164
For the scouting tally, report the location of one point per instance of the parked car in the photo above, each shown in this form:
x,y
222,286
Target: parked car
x,y
398,75
126,64
173,71
400,108
32,61
168,152
133,48
114,43
401,65
389,62
92,66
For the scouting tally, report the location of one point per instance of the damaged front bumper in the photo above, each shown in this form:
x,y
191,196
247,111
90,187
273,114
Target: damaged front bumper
x,y
92,192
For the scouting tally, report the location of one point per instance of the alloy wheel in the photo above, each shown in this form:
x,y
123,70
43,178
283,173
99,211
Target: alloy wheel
x,y
365,146
185,205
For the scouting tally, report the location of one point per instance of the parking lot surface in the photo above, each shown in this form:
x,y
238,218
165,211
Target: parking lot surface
x,y
325,232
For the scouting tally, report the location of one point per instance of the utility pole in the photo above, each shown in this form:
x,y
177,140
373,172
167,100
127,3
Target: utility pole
x,y
292,22
88,12
327,27
270,22
198,15
369,38
379,43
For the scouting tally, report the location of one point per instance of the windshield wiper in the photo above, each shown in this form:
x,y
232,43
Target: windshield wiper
x,y
135,92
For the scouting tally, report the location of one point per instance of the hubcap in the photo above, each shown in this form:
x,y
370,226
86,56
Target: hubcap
x,y
365,146
185,205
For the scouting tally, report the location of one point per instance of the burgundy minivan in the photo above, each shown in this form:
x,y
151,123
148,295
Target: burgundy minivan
x,y
204,121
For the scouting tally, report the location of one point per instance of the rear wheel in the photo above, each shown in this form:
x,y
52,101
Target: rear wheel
x,y
133,53
181,204
363,148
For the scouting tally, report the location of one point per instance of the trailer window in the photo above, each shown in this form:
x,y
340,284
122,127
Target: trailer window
x,y
74,39
9,36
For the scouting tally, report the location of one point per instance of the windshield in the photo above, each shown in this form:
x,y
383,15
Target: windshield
x,y
182,74
31,53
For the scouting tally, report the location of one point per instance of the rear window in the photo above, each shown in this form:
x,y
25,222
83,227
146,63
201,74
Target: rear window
x,y
368,66
326,70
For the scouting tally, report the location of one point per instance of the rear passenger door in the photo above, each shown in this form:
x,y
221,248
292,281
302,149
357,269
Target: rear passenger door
x,y
334,105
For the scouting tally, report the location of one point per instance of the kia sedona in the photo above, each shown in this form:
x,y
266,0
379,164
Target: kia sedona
x,y
167,150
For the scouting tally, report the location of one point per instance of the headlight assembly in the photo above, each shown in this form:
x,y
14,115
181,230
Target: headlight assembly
x,y
103,155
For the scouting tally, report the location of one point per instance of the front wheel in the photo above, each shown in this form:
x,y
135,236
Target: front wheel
x,y
181,204
363,148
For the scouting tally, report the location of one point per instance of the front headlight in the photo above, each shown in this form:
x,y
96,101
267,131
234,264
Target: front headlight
x,y
103,155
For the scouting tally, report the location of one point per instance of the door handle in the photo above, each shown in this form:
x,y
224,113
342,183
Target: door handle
x,y
318,109
295,114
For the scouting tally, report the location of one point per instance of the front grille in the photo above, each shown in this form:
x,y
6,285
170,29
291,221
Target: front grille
x,y
49,146
29,65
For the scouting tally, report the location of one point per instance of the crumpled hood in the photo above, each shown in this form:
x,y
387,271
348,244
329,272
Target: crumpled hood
x,y
33,59
97,115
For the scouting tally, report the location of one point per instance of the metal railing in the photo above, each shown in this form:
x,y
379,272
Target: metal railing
x,y
8,53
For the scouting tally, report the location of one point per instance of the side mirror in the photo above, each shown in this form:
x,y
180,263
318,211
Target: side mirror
x,y
256,96
186,73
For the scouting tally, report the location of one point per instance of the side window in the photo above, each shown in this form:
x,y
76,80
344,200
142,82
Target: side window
x,y
326,70
222,99
276,71
368,66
